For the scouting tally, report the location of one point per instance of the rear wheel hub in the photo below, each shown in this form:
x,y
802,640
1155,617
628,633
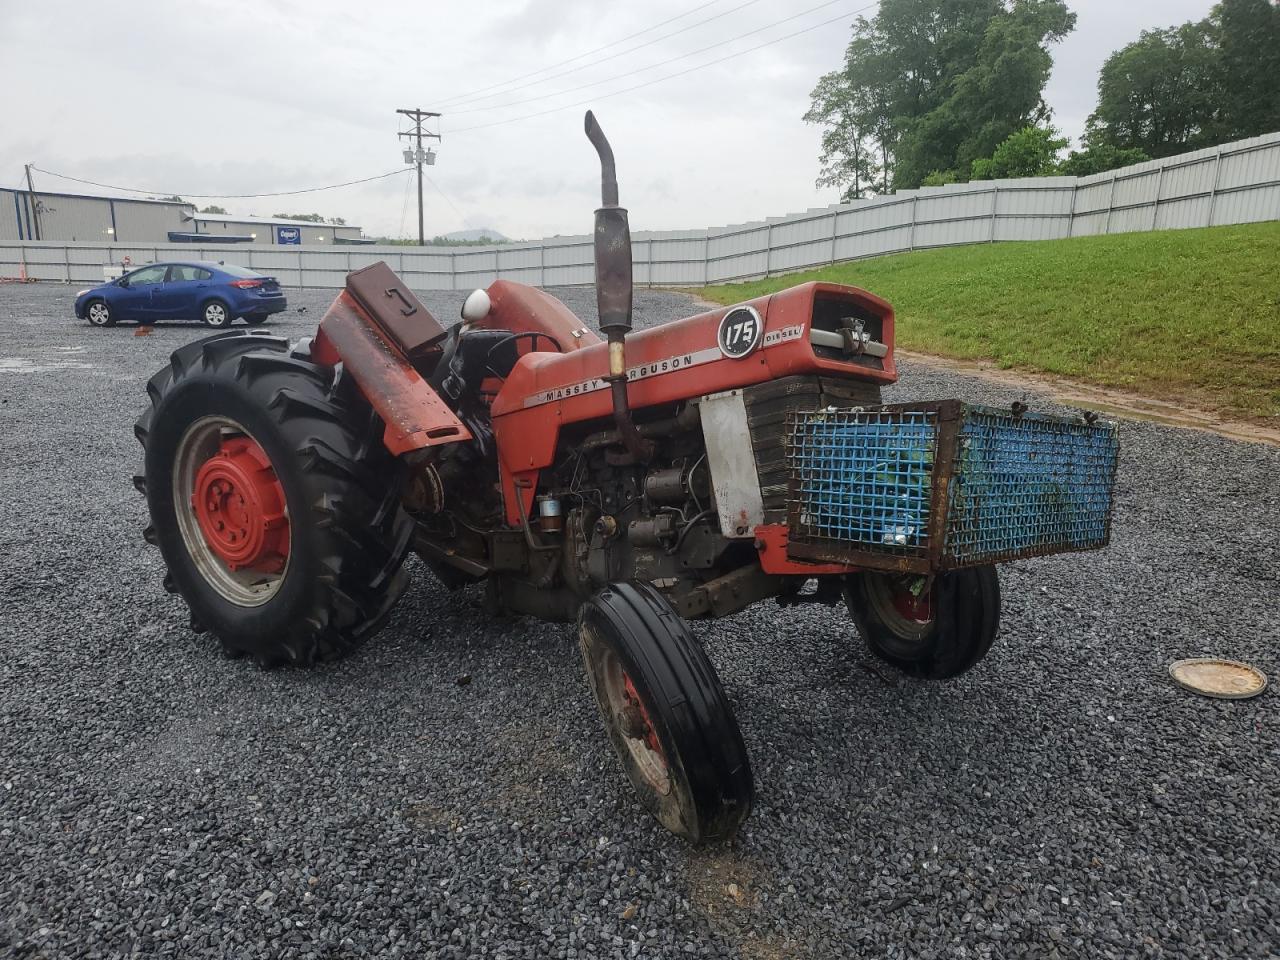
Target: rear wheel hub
x,y
240,507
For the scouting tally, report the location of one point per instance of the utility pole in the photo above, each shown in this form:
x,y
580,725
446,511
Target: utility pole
x,y
35,205
417,115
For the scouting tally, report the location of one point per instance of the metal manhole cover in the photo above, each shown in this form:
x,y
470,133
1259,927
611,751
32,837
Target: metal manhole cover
x,y
1215,677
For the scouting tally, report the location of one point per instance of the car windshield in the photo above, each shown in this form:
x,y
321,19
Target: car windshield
x,y
235,271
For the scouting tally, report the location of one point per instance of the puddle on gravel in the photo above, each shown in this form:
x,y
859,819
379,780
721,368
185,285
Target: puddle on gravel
x,y
25,365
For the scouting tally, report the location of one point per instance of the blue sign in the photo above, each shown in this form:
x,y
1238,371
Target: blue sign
x,y
289,235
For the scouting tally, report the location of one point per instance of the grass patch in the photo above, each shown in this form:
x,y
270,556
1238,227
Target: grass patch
x,y
1185,315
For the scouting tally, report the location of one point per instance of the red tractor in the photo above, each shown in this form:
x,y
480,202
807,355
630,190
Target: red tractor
x,y
628,484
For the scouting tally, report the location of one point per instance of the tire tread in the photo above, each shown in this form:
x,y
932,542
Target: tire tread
x,y
364,532
690,702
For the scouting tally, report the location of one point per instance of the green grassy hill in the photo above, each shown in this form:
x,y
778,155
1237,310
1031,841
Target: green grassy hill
x,y
1191,316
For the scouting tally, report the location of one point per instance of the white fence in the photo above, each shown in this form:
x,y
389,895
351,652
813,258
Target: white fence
x,y
1235,183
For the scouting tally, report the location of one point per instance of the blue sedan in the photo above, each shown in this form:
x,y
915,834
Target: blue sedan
x,y
212,292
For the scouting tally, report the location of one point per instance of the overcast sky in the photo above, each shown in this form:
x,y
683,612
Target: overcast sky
x,y
249,96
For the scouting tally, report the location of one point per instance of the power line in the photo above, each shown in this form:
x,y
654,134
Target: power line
x,y
221,196
404,207
561,63
496,123
447,200
621,53
670,76
652,66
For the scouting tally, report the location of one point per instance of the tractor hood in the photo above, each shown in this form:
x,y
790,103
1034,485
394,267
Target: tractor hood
x,y
810,328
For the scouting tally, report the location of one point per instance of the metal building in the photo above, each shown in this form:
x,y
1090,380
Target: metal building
x,y
78,218
83,219
274,230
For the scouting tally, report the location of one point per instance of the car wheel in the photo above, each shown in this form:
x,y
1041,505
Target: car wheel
x,y
216,314
99,314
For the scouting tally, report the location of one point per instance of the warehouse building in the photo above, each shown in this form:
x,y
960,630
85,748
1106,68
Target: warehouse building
x,y
78,218
83,219
276,230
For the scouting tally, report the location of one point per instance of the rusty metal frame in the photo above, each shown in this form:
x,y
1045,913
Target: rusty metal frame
x,y
814,549
948,419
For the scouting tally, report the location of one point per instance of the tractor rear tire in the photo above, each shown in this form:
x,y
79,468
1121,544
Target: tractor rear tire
x,y
666,713
337,572
938,636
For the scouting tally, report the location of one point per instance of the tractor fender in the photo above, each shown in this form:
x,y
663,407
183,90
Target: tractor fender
x,y
414,415
523,309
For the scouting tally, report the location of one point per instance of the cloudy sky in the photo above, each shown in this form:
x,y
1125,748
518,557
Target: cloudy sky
x,y
251,96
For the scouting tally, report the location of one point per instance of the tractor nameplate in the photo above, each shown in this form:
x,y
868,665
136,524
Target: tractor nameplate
x,y
655,368
740,332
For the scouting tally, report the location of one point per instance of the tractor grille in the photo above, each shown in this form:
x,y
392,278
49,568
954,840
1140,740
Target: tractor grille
x,y
942,485
768,407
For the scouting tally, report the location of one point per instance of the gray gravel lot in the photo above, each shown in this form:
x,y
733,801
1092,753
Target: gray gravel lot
x,y
1062,800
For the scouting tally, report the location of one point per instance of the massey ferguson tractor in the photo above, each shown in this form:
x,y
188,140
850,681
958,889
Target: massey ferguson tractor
x,y
627,484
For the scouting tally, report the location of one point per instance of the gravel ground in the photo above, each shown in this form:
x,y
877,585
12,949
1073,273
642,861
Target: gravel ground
x,y
1062,800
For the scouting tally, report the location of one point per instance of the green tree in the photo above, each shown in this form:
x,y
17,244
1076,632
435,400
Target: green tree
x,y
1097,158
940,178
338,221
213,208
1249,33
308,217
932,85
443,241
1162,93
1031,152
848,149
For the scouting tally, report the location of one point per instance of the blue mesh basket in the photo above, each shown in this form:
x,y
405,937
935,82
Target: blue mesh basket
x,y
941,485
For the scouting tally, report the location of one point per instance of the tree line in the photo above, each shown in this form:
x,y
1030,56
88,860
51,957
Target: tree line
x,y
442,241
307,217
941,91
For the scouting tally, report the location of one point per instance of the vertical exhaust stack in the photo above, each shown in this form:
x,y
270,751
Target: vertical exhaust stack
x,y
613,288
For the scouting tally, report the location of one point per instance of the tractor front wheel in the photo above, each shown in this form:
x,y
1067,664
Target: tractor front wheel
x,y
665,712
933,628
272,499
